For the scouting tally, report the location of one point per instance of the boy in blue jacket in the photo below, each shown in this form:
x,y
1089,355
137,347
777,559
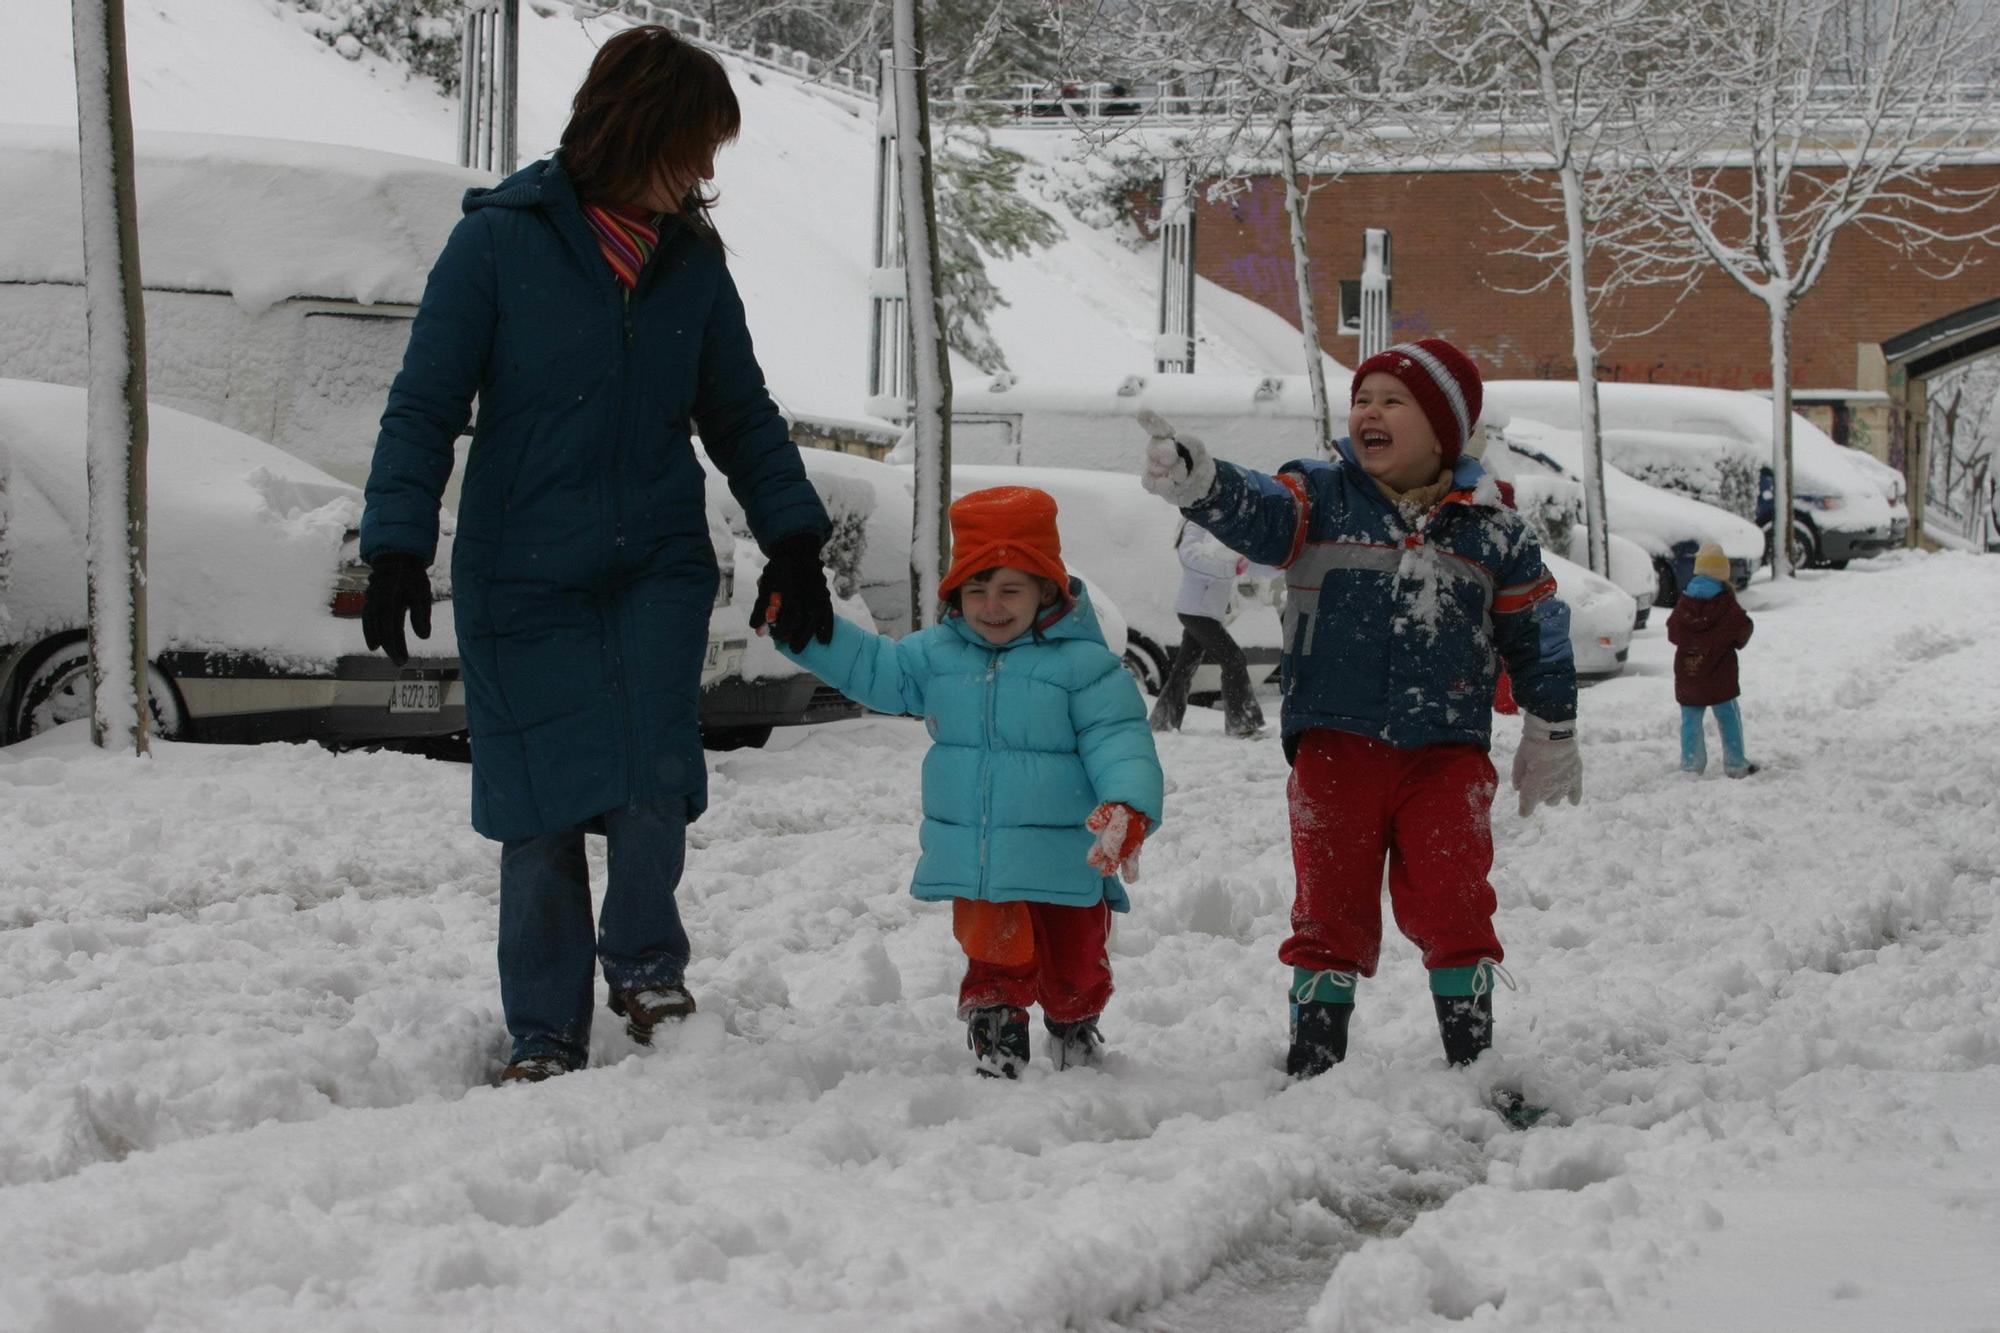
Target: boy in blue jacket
x,y
1041,781
1408,582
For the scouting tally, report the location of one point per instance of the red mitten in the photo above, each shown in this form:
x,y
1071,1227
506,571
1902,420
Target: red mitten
x,y
1119,829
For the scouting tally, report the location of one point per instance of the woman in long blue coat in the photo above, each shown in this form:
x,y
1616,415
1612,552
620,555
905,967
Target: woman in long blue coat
x,y
585,303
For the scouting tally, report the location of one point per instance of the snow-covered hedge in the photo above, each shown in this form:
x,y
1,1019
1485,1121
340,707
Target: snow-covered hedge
x,y
422,34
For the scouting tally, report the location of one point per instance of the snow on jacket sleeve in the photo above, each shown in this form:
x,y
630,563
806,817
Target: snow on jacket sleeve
x,y
1115,741
1260,516
1531,629
743,431
431,399
884,674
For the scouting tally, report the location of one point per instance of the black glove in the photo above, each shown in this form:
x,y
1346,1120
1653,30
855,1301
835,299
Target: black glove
x,y
398,583
791,593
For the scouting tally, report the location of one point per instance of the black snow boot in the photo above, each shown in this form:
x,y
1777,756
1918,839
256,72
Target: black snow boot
x,y
1319,1037
998,1036
1466,1024
1077,1043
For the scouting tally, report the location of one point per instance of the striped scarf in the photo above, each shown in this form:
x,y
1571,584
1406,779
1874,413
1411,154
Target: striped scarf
x,y
627,240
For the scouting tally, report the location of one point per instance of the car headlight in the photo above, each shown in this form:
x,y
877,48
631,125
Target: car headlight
x,y
1823,502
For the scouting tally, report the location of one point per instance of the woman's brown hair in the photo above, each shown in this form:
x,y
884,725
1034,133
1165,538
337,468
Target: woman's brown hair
x,y
651,106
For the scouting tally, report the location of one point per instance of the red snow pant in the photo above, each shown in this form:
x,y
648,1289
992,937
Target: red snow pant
x,y
1353,800
1069,976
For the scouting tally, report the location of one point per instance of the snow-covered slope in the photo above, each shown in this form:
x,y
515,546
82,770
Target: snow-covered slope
x,y
796,187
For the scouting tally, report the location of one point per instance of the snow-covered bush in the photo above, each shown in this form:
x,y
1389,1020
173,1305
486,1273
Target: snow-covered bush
x,y
422,34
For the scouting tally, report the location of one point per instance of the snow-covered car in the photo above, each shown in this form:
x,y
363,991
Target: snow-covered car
x,y
1670,528
1600,617
253,589
1715,446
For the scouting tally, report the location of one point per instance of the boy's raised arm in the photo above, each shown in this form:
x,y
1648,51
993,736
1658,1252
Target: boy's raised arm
x,y
1257,515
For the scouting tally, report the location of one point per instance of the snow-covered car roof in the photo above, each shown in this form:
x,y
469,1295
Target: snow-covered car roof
x,y
261,220
243,540
1655,519
1088,421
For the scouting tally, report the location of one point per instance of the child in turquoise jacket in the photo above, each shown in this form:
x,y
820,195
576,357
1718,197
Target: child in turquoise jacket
x,y
1041,781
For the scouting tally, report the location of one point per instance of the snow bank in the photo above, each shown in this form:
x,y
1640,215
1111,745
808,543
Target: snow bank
x,y
248,1011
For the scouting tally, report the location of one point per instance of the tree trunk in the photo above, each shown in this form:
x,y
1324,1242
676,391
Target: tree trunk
x,y
1781,434
931,420
1584,349
1295,219
115,321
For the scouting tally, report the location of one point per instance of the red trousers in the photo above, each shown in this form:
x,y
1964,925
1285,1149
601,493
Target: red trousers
x,y
1355,800
1069,976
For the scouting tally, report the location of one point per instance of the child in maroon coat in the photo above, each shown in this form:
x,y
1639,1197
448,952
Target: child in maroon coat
x,y
1706,628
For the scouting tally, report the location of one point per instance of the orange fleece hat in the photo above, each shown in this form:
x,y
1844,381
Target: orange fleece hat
x,y
1005,525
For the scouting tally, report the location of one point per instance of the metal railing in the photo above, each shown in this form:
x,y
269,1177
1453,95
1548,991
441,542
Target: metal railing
x,y
1057,104
799,64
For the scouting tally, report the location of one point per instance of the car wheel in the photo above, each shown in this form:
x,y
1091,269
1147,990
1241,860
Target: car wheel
x,y
1145,662
1805,545
736,738
1669,590
55,688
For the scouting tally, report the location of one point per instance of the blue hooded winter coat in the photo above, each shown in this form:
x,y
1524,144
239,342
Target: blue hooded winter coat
x,y
582,572
1395,631
1029,738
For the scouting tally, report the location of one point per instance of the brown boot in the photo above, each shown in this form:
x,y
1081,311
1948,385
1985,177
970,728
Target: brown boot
x,y
534,1069
645,1007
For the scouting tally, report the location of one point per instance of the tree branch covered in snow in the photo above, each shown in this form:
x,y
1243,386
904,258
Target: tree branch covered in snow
x,y
1816,116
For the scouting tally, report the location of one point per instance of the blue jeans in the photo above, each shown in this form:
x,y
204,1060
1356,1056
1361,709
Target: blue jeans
x,y
1694,748
547,956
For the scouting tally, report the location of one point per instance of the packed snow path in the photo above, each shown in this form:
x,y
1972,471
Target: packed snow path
x,y
248,1016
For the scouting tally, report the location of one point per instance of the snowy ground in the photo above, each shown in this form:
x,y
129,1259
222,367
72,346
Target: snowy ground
x,y
248,1014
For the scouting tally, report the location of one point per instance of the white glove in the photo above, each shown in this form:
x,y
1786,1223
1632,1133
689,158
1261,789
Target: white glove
x,y
1178,468
1548,766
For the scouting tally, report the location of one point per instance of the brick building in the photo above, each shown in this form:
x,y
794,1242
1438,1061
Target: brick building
x,y
1450,279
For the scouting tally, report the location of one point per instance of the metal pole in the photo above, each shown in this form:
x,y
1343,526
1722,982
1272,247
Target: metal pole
x,y
1374,292
510,89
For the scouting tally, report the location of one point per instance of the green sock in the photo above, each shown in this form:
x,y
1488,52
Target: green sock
x,y
1322,987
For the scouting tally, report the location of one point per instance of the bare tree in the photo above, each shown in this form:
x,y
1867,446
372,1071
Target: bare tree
x,y
1571,73
931,419
1279,85
115,451
1819,116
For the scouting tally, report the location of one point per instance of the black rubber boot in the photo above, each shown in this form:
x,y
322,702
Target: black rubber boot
x,y
998,1036
1319,1037
1466,1024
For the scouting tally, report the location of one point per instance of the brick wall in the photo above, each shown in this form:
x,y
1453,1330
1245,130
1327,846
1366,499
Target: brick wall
x,y
1450,280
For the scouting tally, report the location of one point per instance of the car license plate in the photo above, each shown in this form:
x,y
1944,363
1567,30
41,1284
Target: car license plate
x,y
417,696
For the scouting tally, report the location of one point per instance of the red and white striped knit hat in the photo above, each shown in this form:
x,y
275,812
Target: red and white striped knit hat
x,y
1441,378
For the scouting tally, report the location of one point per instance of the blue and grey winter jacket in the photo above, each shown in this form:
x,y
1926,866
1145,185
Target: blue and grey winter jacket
x,y
1028,739
1392,631
582,572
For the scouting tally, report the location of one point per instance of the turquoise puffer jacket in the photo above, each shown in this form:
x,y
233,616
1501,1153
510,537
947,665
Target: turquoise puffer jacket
x,y
1029,738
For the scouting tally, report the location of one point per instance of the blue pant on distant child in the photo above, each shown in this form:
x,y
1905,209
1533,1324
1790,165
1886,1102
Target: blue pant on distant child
x,y
1694,747
547,955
